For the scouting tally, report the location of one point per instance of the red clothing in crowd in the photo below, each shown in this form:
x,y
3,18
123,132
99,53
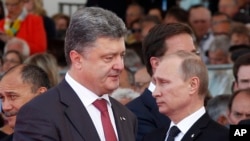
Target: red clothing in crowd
x,y
33,32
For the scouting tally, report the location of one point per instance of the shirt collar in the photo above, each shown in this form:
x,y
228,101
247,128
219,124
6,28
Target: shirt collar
x,y
185,124
86,96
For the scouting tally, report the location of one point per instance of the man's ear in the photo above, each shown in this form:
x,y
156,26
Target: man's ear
x,y
154,61
76,59
222,120
42,90
194,84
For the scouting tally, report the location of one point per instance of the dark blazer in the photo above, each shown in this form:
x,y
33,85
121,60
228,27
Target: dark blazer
x,y
148,115
2,135
204,129
59,115
7,138
245,121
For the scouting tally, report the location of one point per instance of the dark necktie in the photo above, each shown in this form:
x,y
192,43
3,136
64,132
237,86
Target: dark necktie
x,y
174,131
109,132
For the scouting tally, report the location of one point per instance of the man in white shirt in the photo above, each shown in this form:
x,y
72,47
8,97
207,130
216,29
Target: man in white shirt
x,y
79,108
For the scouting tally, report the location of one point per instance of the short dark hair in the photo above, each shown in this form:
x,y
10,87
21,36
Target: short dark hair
x,y
241,61
31,74
180,14
154,43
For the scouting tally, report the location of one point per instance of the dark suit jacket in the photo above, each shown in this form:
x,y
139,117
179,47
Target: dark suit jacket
x,y
204,129
7,138
246,121
59,115
148,115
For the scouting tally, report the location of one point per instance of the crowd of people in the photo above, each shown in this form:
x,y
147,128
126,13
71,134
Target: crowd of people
x,y
155,72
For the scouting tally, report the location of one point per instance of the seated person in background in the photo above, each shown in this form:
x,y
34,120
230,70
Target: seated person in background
x,y
200,20
176,15
19,45
141,80
217,108
232,9
157,12
241,73
147,23
180,93
218,51
135,36
126,79
36,7
18,86
236,51
10,59
221,24
134,12
220,80
239,34
61,23
18,23
132,61
124,95
238,106
48,63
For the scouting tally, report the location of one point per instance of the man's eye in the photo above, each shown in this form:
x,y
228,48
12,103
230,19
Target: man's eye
x,y
108,59
13,97
238,114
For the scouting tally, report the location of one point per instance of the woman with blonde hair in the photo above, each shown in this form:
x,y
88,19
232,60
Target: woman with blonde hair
x,y
48,63
36,7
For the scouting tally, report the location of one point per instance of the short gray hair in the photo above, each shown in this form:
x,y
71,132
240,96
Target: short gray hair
x,y
191,66
127,93
220,42
89,24
217,106
25,47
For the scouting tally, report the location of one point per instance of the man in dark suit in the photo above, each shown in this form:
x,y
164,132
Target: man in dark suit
x,y
180,93
19,85
79,108
162,40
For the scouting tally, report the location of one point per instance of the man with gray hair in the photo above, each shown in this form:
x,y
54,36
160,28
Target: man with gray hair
x,y
217,108
80,108
19,45
218,51
180,93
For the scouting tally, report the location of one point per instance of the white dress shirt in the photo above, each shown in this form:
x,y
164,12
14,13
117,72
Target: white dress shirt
x,y
87,97
151,87
185,124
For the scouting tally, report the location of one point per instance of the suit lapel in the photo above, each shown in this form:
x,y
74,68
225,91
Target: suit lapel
x,y
77,113
120,120
197,128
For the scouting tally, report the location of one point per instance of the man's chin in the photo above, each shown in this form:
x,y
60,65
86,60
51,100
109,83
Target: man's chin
x,y
11,121
111,88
